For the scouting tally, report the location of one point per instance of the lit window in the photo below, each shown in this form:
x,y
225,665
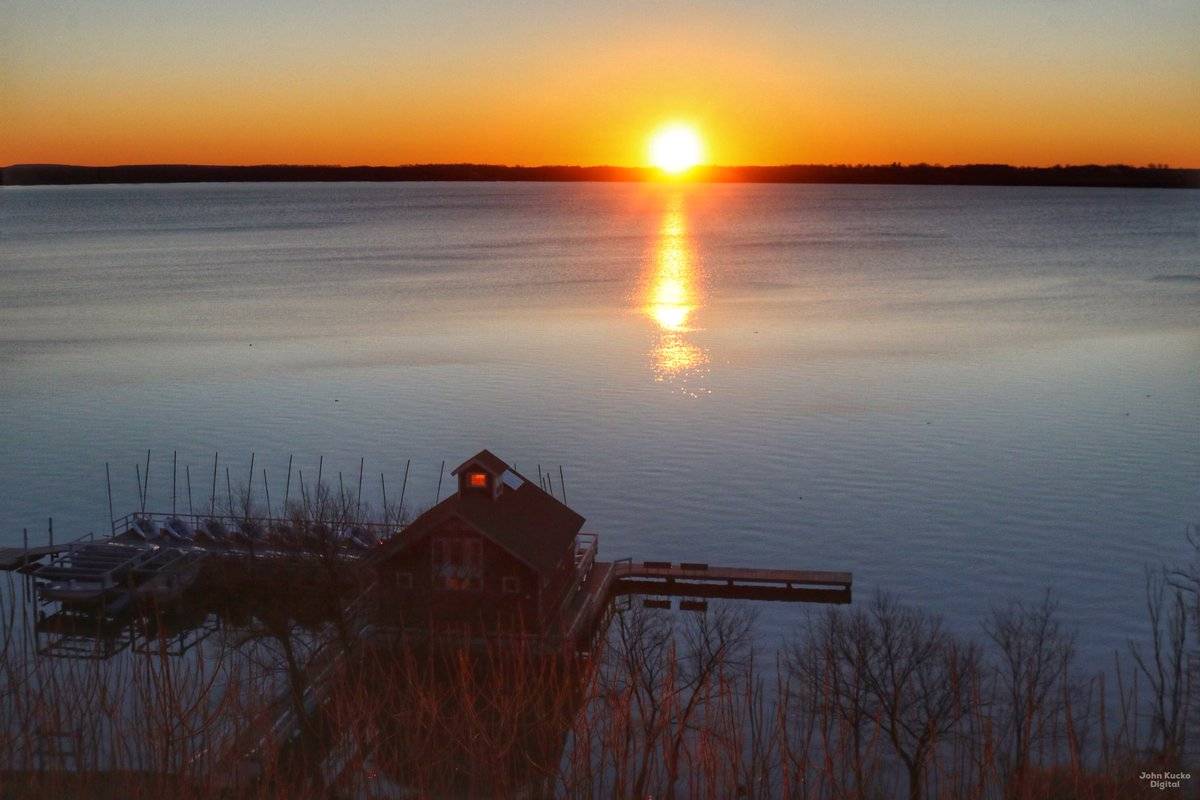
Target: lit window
x,y
477,480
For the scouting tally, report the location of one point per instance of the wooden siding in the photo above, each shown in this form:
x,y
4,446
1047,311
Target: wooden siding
x,y
411,589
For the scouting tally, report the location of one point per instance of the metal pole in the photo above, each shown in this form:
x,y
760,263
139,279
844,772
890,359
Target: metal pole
x,y
50,524
25,540
146,488
112,523
250,488
303,495
267,491
187,471
562,483
174,477
212,498
383,488
141,497
287,487
404,485
358,506
317,490
441,472
228,492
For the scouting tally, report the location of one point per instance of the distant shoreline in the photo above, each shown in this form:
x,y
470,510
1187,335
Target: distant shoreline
x,y
1088,175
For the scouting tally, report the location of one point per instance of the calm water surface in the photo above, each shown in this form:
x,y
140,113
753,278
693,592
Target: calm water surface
x,y
960,394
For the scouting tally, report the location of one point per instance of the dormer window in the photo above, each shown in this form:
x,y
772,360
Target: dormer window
x,y
485,474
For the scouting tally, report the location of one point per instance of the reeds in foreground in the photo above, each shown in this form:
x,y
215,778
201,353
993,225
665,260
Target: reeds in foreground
x,y
305,692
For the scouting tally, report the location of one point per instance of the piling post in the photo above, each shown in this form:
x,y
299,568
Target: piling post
x,y
267,492
146,488
25,541
404,485
383,489
112,522
320,469
212,498
362,461
287,487
303,496
250,489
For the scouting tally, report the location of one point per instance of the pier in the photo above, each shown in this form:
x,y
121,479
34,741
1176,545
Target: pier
x,y
501,560
601,581
12,558
109,574
694,576
503,552
502,555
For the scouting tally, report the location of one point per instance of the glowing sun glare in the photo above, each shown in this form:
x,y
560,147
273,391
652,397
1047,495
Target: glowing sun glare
x,y
676,148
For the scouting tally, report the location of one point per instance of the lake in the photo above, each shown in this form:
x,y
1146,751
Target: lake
x,y
961,394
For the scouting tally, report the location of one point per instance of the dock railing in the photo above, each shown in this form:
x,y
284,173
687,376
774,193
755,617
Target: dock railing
x,y
587,545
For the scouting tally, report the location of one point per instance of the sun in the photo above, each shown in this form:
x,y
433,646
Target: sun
x,y
676,148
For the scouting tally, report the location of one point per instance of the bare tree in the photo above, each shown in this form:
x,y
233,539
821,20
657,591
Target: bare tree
x,y
1165,666
663,689
1035,652
832,714
900,669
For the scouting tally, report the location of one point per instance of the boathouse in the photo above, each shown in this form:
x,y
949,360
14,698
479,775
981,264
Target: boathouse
x,y
498,553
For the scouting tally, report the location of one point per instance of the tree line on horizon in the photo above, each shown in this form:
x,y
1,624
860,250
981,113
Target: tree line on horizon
x,y
1085,175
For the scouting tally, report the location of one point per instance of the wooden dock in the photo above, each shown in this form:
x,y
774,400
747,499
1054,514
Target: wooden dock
x,y
589,604
732,583
15,557
606,580
703,574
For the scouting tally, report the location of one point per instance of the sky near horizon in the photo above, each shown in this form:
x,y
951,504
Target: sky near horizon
x,y
364,82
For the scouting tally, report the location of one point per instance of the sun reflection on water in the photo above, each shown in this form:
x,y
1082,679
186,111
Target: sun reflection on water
x,y
672,300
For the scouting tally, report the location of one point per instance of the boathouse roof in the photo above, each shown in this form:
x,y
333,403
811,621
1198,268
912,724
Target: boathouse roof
x,y
484,458
524,520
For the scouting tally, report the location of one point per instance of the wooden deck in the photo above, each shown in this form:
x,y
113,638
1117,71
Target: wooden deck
x,y
733,576
609,579
589,603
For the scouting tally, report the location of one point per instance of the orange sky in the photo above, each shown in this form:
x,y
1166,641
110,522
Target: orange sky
x,y
270,82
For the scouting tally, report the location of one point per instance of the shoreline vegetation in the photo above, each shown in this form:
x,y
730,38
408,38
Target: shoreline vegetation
x,y
879,700
1158,176
866,703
